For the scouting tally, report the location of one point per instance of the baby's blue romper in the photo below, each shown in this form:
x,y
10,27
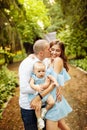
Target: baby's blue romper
x,y
38,81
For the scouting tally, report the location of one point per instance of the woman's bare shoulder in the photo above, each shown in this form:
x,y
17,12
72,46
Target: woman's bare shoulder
x,y
58,64
58,59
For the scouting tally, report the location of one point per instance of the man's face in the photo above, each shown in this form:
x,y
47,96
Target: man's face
x,y
47,51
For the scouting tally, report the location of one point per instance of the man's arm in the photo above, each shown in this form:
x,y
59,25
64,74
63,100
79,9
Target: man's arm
x,y
37,100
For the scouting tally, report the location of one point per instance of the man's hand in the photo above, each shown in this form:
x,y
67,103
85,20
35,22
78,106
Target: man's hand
x,y
59,93
38,88
36,103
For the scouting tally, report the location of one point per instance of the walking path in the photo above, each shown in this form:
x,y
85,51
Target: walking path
x,y
75,92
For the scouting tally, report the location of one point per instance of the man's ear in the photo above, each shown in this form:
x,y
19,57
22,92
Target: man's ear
x,y
41,53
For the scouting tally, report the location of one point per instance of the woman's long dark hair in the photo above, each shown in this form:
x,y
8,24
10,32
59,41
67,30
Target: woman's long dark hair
x,y
63,56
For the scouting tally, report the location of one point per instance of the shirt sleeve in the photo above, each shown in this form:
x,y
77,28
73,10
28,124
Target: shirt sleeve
x,y
25,70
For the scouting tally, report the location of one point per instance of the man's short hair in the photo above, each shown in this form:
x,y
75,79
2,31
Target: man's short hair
x,y
39,45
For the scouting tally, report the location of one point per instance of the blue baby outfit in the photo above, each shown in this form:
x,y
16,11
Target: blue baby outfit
x,y
38,81
62,108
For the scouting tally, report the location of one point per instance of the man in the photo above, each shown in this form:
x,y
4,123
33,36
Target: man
x,y
41,51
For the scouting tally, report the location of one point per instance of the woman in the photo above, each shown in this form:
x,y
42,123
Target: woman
x,y
58,68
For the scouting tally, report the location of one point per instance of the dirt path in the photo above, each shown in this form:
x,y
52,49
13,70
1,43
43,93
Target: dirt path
x,y
75,93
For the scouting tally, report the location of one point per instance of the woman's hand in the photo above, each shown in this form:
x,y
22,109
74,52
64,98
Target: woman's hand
x,y
59,93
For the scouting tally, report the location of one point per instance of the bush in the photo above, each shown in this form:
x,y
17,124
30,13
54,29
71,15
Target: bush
x,y
82,63
8,82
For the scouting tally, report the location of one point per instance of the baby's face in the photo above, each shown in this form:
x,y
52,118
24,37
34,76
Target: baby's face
x,y
39,71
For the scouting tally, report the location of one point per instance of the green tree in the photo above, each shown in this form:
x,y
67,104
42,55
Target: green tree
x,y
69,20
21,22
35,20
9,35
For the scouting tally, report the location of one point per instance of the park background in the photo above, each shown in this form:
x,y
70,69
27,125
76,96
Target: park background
x,y
22,22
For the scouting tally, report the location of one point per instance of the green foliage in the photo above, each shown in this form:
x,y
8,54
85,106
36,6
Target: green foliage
x,y
8,56
75,41
69,20
8,33
19,56
34,22
74,12
5,52
56,17
22,21
82,63
8,82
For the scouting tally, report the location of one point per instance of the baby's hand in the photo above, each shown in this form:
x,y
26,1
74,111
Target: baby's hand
x,y
47,80
56,83
39,88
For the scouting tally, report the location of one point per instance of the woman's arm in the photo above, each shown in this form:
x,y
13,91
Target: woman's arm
x,y
52,79
58,65
48,81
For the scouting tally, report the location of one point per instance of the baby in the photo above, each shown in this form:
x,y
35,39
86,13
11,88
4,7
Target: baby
x,y
39,82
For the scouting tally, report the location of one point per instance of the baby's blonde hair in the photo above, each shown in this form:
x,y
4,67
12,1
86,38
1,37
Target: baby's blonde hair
x,y
38,63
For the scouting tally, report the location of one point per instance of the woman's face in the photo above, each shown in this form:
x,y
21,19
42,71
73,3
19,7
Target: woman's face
x,y
55,51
